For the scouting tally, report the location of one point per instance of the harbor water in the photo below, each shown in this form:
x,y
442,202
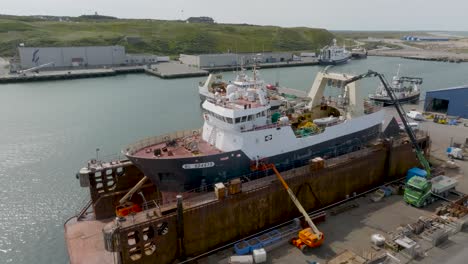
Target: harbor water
x,y
50,129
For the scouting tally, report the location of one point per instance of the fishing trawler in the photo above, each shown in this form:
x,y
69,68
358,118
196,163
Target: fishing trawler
x,y
406,90
334,55
241,130
276,94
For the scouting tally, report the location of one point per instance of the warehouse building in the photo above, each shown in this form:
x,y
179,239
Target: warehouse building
x,y
422,38
233,59
450,101
90,56
71,56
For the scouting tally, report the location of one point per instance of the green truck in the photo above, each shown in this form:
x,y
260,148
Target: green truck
x,y
420,192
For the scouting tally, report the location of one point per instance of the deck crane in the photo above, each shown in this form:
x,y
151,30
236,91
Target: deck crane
x,y
307,237
125,207
401,113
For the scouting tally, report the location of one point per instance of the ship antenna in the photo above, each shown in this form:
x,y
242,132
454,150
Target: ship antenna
x,y
398,71
255,73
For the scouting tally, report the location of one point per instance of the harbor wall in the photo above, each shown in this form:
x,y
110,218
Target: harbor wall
x,y
237,216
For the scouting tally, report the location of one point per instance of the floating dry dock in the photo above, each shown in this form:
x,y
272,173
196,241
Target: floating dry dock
x,y
201,221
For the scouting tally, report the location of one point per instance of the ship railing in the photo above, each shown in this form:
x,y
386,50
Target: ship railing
x,y
348,147
151,141
266,127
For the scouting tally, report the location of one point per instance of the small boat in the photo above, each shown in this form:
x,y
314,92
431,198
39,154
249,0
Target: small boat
x,y
334,55
359,53
406,90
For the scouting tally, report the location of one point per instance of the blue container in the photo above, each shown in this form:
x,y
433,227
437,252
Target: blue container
x,y
254,243
275,235
415,172
265,239
242,248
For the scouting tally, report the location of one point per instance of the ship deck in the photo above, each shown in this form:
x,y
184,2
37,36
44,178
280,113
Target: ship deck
x,y
239,104
183,148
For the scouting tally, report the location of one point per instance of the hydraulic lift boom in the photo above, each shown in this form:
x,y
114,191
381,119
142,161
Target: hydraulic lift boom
x,y
401,113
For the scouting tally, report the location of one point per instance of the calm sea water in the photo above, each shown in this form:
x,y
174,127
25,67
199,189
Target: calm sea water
x,y
48,130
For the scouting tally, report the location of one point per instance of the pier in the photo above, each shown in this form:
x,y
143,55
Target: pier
x,y
164,70
309,62
419,54
173,69
69,74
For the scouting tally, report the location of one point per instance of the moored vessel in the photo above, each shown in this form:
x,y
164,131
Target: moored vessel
x,y
241,130
406,89
334,55
358,53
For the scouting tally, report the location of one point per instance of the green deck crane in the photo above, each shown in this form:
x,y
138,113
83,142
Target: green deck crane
x,y
401,113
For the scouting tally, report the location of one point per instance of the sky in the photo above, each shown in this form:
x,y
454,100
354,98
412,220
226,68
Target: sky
x,y
448,15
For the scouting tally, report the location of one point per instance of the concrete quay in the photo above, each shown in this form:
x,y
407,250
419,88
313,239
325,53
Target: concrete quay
x,y
307,62
174,69
68,74
420,54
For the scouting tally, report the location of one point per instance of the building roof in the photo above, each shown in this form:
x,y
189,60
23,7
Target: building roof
x,y
448,89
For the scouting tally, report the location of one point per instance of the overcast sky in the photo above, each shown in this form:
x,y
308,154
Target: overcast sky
x,y
329,14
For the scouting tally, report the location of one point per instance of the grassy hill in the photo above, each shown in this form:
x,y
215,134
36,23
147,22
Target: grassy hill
x,y
155,36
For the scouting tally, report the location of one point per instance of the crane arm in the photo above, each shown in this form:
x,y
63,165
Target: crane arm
x,y
296,202
399,108
133,190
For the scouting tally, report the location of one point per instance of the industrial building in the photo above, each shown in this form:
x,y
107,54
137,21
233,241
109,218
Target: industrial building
x,y
419,38
81,57
451,101
233,59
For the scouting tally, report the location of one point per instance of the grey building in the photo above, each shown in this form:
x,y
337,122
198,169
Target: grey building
x,y
71,56
233,59
450,101
144,59
202,19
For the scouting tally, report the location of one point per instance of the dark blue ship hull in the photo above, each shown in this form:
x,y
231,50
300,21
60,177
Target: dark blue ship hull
x,y
183,174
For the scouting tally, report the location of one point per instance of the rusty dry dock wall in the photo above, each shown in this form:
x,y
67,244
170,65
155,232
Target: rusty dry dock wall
x,y
245,213
237,216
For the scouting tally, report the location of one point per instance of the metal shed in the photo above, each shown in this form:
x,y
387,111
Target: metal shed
x,y
451,101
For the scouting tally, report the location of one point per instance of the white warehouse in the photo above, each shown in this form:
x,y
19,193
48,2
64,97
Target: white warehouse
x,y
90,56
71,56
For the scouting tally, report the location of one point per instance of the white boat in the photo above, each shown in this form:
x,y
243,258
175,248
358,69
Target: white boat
x,y
241,131
406,89
334,55
359,53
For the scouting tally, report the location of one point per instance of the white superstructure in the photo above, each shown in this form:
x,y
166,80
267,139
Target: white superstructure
x,y
242,119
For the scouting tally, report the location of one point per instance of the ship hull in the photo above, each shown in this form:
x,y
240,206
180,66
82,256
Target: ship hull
x,y
184,174
333,62
359,55
387,101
